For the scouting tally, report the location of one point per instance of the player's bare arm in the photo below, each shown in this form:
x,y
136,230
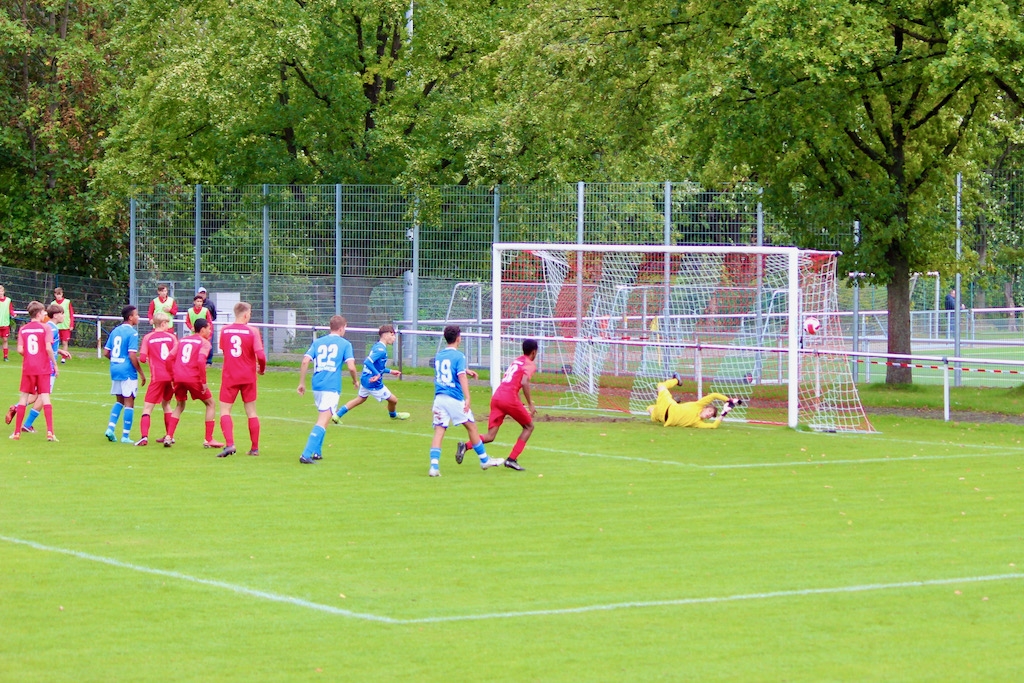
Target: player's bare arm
x,y
351,363
464,382
472,373
528,396
133,356
302,375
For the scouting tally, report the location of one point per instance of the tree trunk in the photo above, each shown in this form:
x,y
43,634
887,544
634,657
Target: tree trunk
x,y
899,315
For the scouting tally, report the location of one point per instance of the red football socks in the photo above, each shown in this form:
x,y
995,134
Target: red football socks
x,y
227,425
517,449
254,432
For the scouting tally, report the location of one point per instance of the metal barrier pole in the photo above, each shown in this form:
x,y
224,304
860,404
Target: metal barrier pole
x,y
99,338
945,390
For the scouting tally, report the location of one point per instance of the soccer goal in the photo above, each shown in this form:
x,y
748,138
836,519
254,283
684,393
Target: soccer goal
x,y
757,323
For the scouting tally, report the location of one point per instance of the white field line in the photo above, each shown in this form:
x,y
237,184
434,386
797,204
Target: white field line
x,y
364,616
1005,452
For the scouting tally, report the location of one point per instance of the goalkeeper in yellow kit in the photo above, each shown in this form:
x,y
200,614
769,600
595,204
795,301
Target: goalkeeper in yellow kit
x,y
689,414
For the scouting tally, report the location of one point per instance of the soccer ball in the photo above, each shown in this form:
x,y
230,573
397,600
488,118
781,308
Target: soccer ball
x,y
812,325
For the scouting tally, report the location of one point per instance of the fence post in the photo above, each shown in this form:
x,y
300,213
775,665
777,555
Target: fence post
x,y
414,356
956,308
99,337
667,274
132,254
496,227
337,249
199,235
580,189
945,389
856,305
758,312
266,254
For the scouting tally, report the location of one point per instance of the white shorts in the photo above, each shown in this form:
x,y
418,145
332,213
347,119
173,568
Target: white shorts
x,y
326,400
381,394
448,411
126,387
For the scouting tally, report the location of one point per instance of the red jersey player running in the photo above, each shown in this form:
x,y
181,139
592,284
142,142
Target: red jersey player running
x,y
190,380
39,360
505,403
158,349
244,357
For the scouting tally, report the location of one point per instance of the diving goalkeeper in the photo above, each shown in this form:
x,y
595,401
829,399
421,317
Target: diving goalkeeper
x,y
691,413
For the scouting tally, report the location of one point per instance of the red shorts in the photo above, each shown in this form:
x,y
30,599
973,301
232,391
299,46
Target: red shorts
x,y
182,391
65,335
5,332
35,384
500,408
228,394
158,392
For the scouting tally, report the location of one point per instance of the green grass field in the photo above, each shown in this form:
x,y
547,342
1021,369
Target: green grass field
x,y
625,552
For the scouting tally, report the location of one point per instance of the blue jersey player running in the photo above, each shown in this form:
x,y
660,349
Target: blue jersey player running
x,y
371,382
122,348
328,355
452,401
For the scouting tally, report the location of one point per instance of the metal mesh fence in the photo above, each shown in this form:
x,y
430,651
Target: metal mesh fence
x,y
88,296
299,254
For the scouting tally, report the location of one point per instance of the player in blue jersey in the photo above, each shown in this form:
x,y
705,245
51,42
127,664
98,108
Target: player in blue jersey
x,y
371,382
452,402
55,313
328,354
126,376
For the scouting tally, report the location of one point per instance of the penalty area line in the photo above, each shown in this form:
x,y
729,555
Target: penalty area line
x,y
583,609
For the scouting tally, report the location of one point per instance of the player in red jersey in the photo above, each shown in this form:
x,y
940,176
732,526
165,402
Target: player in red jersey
x,y
39,361
505,403
190,380
159,349
244,358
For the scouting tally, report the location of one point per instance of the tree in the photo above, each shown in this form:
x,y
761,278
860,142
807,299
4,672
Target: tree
x,y
861,111
841,110
54,78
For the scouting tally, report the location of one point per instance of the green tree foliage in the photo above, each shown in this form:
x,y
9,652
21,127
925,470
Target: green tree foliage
x,y
285,91
54,76
841,110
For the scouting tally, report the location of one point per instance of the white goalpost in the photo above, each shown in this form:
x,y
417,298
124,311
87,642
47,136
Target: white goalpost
x,y
615,320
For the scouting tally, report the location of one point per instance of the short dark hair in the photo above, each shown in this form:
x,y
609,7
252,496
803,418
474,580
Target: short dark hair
x,y
529,346
200,324
384,329
198,297
451,333
127,311
54,309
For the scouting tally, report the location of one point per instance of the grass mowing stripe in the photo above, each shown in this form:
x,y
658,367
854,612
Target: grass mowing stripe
x,y
299,602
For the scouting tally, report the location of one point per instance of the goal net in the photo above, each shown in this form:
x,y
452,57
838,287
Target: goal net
x,y
613,321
